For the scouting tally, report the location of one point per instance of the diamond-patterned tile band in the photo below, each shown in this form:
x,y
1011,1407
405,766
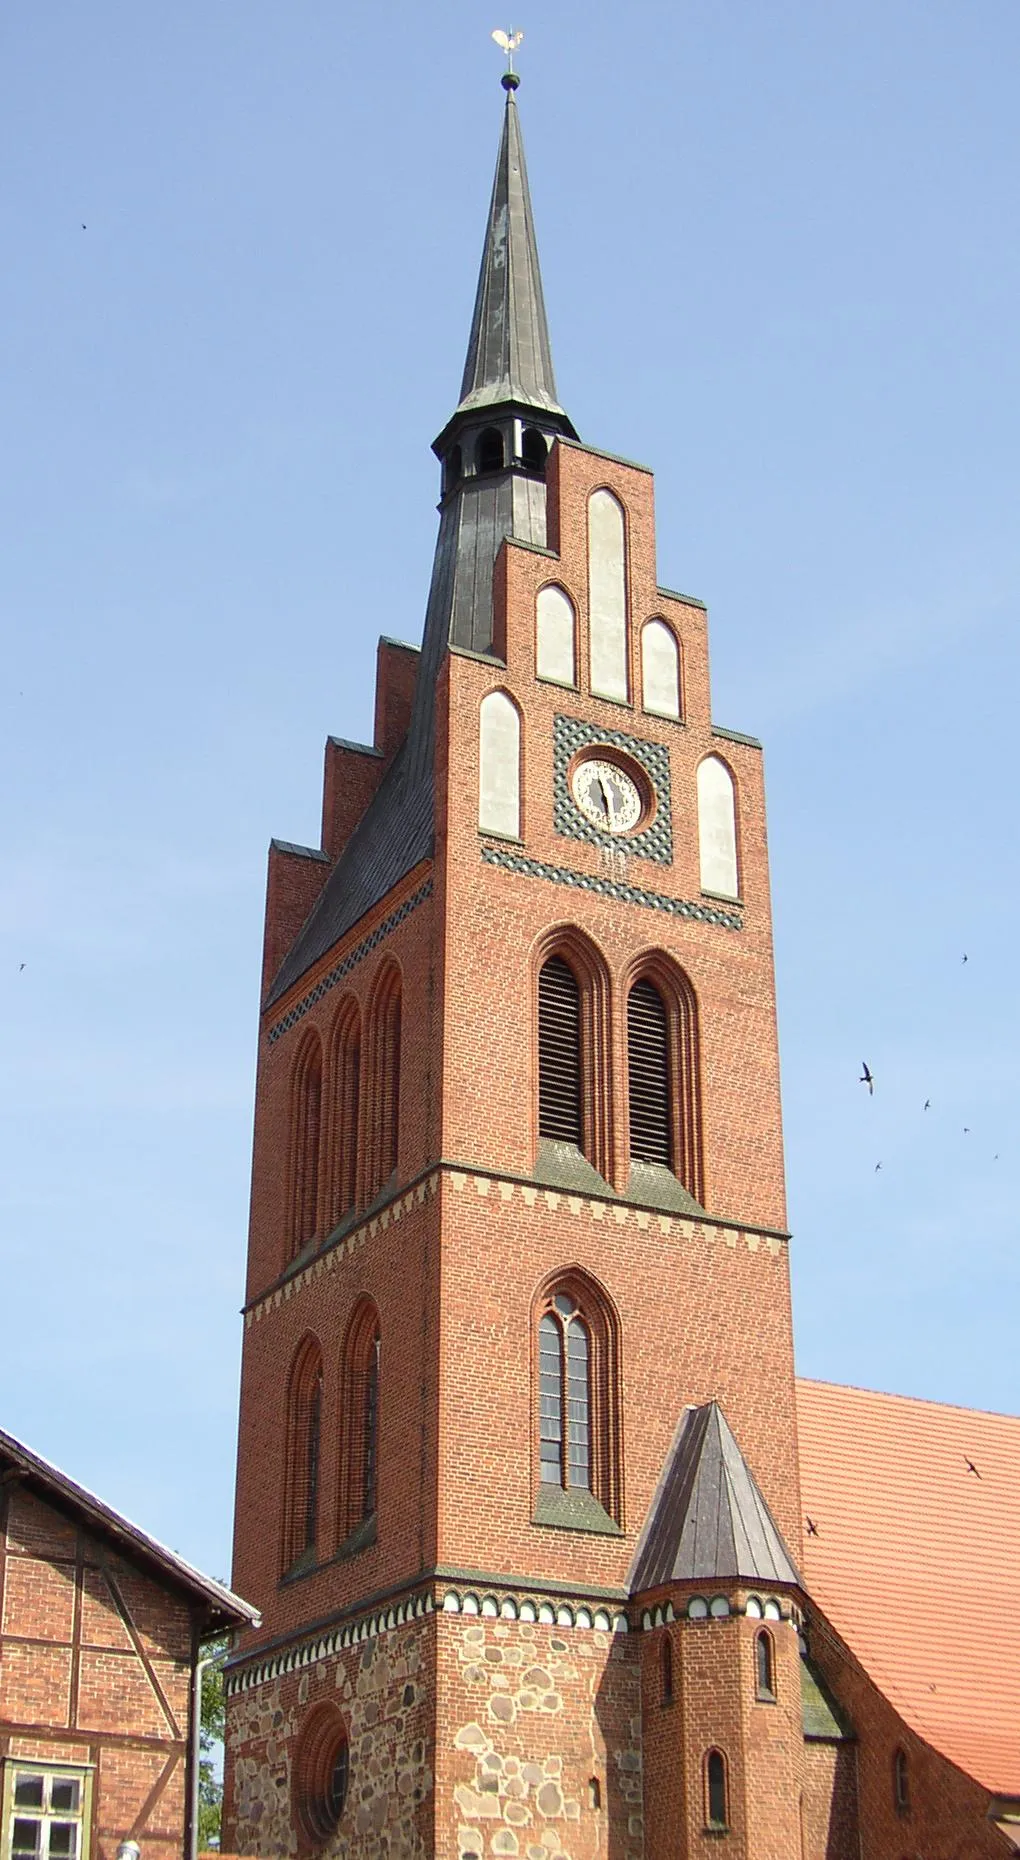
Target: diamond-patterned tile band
x,y
571,734
350,961
610,888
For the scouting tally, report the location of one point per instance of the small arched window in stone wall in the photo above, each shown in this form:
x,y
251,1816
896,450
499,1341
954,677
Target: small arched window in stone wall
x,y
764,1665
345,1077
359,1454
717,1808
717,829
306,1127
304,1450
660,670
607,597
555,636
381,1120
321,1776
499,766
578,1418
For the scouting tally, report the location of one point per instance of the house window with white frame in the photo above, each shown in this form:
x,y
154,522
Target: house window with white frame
x,y
45,1813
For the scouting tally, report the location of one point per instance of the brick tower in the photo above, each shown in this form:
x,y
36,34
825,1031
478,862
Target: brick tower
x,y
517,1484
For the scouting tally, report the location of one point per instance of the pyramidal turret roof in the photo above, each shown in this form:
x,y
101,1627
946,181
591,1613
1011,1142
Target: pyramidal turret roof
x,y
509,356
708,1521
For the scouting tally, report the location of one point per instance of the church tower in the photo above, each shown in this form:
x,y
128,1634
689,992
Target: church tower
x,y
517,1482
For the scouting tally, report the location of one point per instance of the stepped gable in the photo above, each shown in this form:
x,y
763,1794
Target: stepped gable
x,y
708,1520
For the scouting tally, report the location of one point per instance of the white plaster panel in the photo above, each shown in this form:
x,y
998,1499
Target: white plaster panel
x,y
554,636
607,595
717,828
499,765
660,670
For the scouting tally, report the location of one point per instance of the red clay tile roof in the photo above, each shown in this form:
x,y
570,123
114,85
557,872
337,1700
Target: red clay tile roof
x,y
917,1562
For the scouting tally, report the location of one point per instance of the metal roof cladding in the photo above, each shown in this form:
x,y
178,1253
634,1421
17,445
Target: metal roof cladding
x,y
708,1520
508,368
916,1561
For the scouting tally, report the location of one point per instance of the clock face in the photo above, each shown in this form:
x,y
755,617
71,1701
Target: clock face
x,y
606,795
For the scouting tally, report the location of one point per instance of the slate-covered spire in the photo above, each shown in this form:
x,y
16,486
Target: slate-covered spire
x,y
509,358
708,1520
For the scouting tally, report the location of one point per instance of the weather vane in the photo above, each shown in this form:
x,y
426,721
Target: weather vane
x,y
508,42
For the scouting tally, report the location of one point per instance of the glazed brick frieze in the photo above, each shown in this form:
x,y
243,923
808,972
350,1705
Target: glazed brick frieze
x,y
610,888
571,734
349,962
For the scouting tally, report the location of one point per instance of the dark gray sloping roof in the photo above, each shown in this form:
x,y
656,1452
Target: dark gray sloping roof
x,y
708,1520
509,360
509,355
223,1608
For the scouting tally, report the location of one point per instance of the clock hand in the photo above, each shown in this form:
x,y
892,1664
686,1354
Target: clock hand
x,y
607,803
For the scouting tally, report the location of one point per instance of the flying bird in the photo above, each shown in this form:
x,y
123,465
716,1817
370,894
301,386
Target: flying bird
x,y
867,1078
966,1130
20,967
964,959
971,1467
877,1167
927,1104
812,1528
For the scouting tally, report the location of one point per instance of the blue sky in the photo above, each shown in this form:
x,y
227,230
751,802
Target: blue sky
x,y
781,261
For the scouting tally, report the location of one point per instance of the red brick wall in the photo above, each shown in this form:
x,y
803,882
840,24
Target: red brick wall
x,y
88,1679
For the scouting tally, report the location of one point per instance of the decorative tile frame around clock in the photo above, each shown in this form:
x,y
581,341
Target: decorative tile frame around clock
x,y
571,734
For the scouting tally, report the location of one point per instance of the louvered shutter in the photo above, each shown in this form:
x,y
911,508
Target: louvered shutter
x,y
648,1074
559,1052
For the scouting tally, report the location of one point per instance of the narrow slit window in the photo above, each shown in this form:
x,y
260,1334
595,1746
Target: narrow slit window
x,y
901,1781
716,1803
764,1665
559,1052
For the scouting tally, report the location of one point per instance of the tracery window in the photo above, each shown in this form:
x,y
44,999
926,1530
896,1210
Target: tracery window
x,y
578,1420
359,1470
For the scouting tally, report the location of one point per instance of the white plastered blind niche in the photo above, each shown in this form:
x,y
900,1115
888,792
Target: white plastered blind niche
x,y
607,597
554,636
660,670
717,829
499,766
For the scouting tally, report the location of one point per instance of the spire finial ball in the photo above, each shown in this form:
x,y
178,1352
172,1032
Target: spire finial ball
x,y
510,80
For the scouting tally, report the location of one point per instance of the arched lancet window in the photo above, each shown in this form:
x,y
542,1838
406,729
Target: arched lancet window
x,y
578,1424
321,1774
359,1421
764,1665
304,1450
666,1670
306,1140
717,1808
663,1072
345,1072
381,1119
717,828
660,669
489,452
560,1110
499,766
555,636
901,1781
607,596
534,451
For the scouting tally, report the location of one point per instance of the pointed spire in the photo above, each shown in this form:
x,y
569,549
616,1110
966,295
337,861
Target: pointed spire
x,y
509,357
708,1521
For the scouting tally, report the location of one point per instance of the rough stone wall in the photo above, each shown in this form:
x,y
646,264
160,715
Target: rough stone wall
x,y
383,1690
538,1751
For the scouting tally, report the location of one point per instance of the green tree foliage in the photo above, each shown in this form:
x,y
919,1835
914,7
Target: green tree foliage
x,y
210,1786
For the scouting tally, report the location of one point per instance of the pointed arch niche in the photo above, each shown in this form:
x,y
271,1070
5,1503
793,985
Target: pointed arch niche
x,y
303,1450
359,1427
345,1095
499,766
660,669
380,1117
555,636
717,828
306,1138
607,597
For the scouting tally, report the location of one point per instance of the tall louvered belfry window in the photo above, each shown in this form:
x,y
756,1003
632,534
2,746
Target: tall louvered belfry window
x,y
559,1053
648,1063
360,1420
304,1453
307,1122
